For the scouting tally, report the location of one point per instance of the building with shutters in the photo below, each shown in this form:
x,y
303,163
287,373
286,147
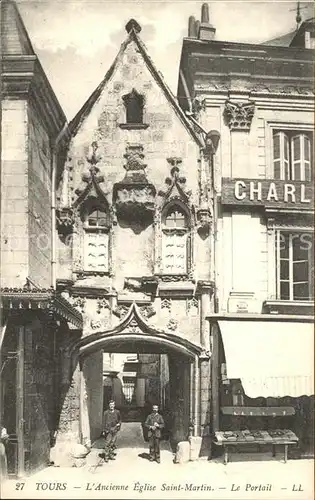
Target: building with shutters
x,y
173,234
105,250
260,97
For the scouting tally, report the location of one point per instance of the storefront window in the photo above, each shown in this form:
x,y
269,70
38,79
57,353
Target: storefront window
x,y
295,265
292,155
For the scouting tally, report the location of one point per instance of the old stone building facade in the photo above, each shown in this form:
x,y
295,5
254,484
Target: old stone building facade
x,y
119,204
34,317
147,226
134,210
260,97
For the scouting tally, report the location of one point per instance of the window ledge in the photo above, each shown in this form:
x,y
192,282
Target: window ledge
x,y
133,126
83,274
300,307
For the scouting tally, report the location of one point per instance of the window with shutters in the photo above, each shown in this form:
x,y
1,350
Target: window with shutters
x,y
292,155
175,240
294,265
96,234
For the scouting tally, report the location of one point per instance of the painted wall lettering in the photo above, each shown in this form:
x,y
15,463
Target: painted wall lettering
x,y
267,193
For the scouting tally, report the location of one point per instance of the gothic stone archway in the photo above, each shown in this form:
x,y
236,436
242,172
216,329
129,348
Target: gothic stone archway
x,y
189,381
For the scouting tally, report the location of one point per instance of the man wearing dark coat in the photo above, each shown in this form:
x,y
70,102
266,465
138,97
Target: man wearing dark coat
x,y
111,426
154,423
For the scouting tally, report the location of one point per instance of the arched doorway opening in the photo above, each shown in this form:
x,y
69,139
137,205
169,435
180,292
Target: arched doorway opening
x,y
175,385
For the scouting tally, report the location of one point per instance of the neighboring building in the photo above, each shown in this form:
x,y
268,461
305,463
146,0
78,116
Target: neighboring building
x,y
260,97
31,311
122,232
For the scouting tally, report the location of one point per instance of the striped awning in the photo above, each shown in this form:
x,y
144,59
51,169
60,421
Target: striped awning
x,y
272,358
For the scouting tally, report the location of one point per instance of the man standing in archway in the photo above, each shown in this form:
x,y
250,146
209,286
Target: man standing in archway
x,y
111,426
154,424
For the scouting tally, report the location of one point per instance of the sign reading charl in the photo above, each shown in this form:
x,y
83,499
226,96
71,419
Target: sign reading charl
x,y
268,193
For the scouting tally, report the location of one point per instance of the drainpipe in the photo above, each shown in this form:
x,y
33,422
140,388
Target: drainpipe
x,y
215,205
20,402
187,95
196,384
53,203
215,234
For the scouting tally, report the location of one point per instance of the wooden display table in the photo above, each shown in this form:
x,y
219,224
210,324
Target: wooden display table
x,y
273,437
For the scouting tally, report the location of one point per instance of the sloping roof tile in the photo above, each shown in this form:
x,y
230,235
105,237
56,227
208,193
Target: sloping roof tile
x,y
281,41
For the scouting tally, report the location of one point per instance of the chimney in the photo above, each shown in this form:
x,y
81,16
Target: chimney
x,y
205,13
197,27
206,30
192,32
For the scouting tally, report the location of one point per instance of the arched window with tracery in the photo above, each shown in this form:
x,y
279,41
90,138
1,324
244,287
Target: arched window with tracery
x,y
96,236
175,240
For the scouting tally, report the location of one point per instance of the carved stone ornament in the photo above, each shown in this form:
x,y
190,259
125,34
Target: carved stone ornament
x,y
79,303
199,104
121,311
174,278
147,311
134,196
239,115
134,327
204,220
166,304
95,324
176,184
102,303
65,220
172,324
134,156
192,305
91,179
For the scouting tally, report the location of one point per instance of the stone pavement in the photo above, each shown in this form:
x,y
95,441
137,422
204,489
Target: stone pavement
x,y
131,475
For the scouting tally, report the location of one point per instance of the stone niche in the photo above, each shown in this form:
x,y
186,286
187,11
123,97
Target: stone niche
x,y
134,196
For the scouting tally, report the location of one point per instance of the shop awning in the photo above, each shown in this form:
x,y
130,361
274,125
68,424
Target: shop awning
x,y
272,358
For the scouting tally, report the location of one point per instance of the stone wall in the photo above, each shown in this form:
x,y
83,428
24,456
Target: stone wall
x,y
14,189
163,153
39,195
92,396
26,196
39,386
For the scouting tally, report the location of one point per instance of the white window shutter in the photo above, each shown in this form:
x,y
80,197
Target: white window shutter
x,y
281,156
96,252
174,252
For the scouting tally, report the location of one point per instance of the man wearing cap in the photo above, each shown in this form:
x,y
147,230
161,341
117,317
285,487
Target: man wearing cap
x,y
154,423
111,426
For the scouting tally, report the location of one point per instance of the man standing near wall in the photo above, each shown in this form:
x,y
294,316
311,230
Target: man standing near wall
x,y
111,426
154,424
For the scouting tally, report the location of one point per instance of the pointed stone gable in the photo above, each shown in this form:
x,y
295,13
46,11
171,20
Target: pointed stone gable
x,y
133,61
